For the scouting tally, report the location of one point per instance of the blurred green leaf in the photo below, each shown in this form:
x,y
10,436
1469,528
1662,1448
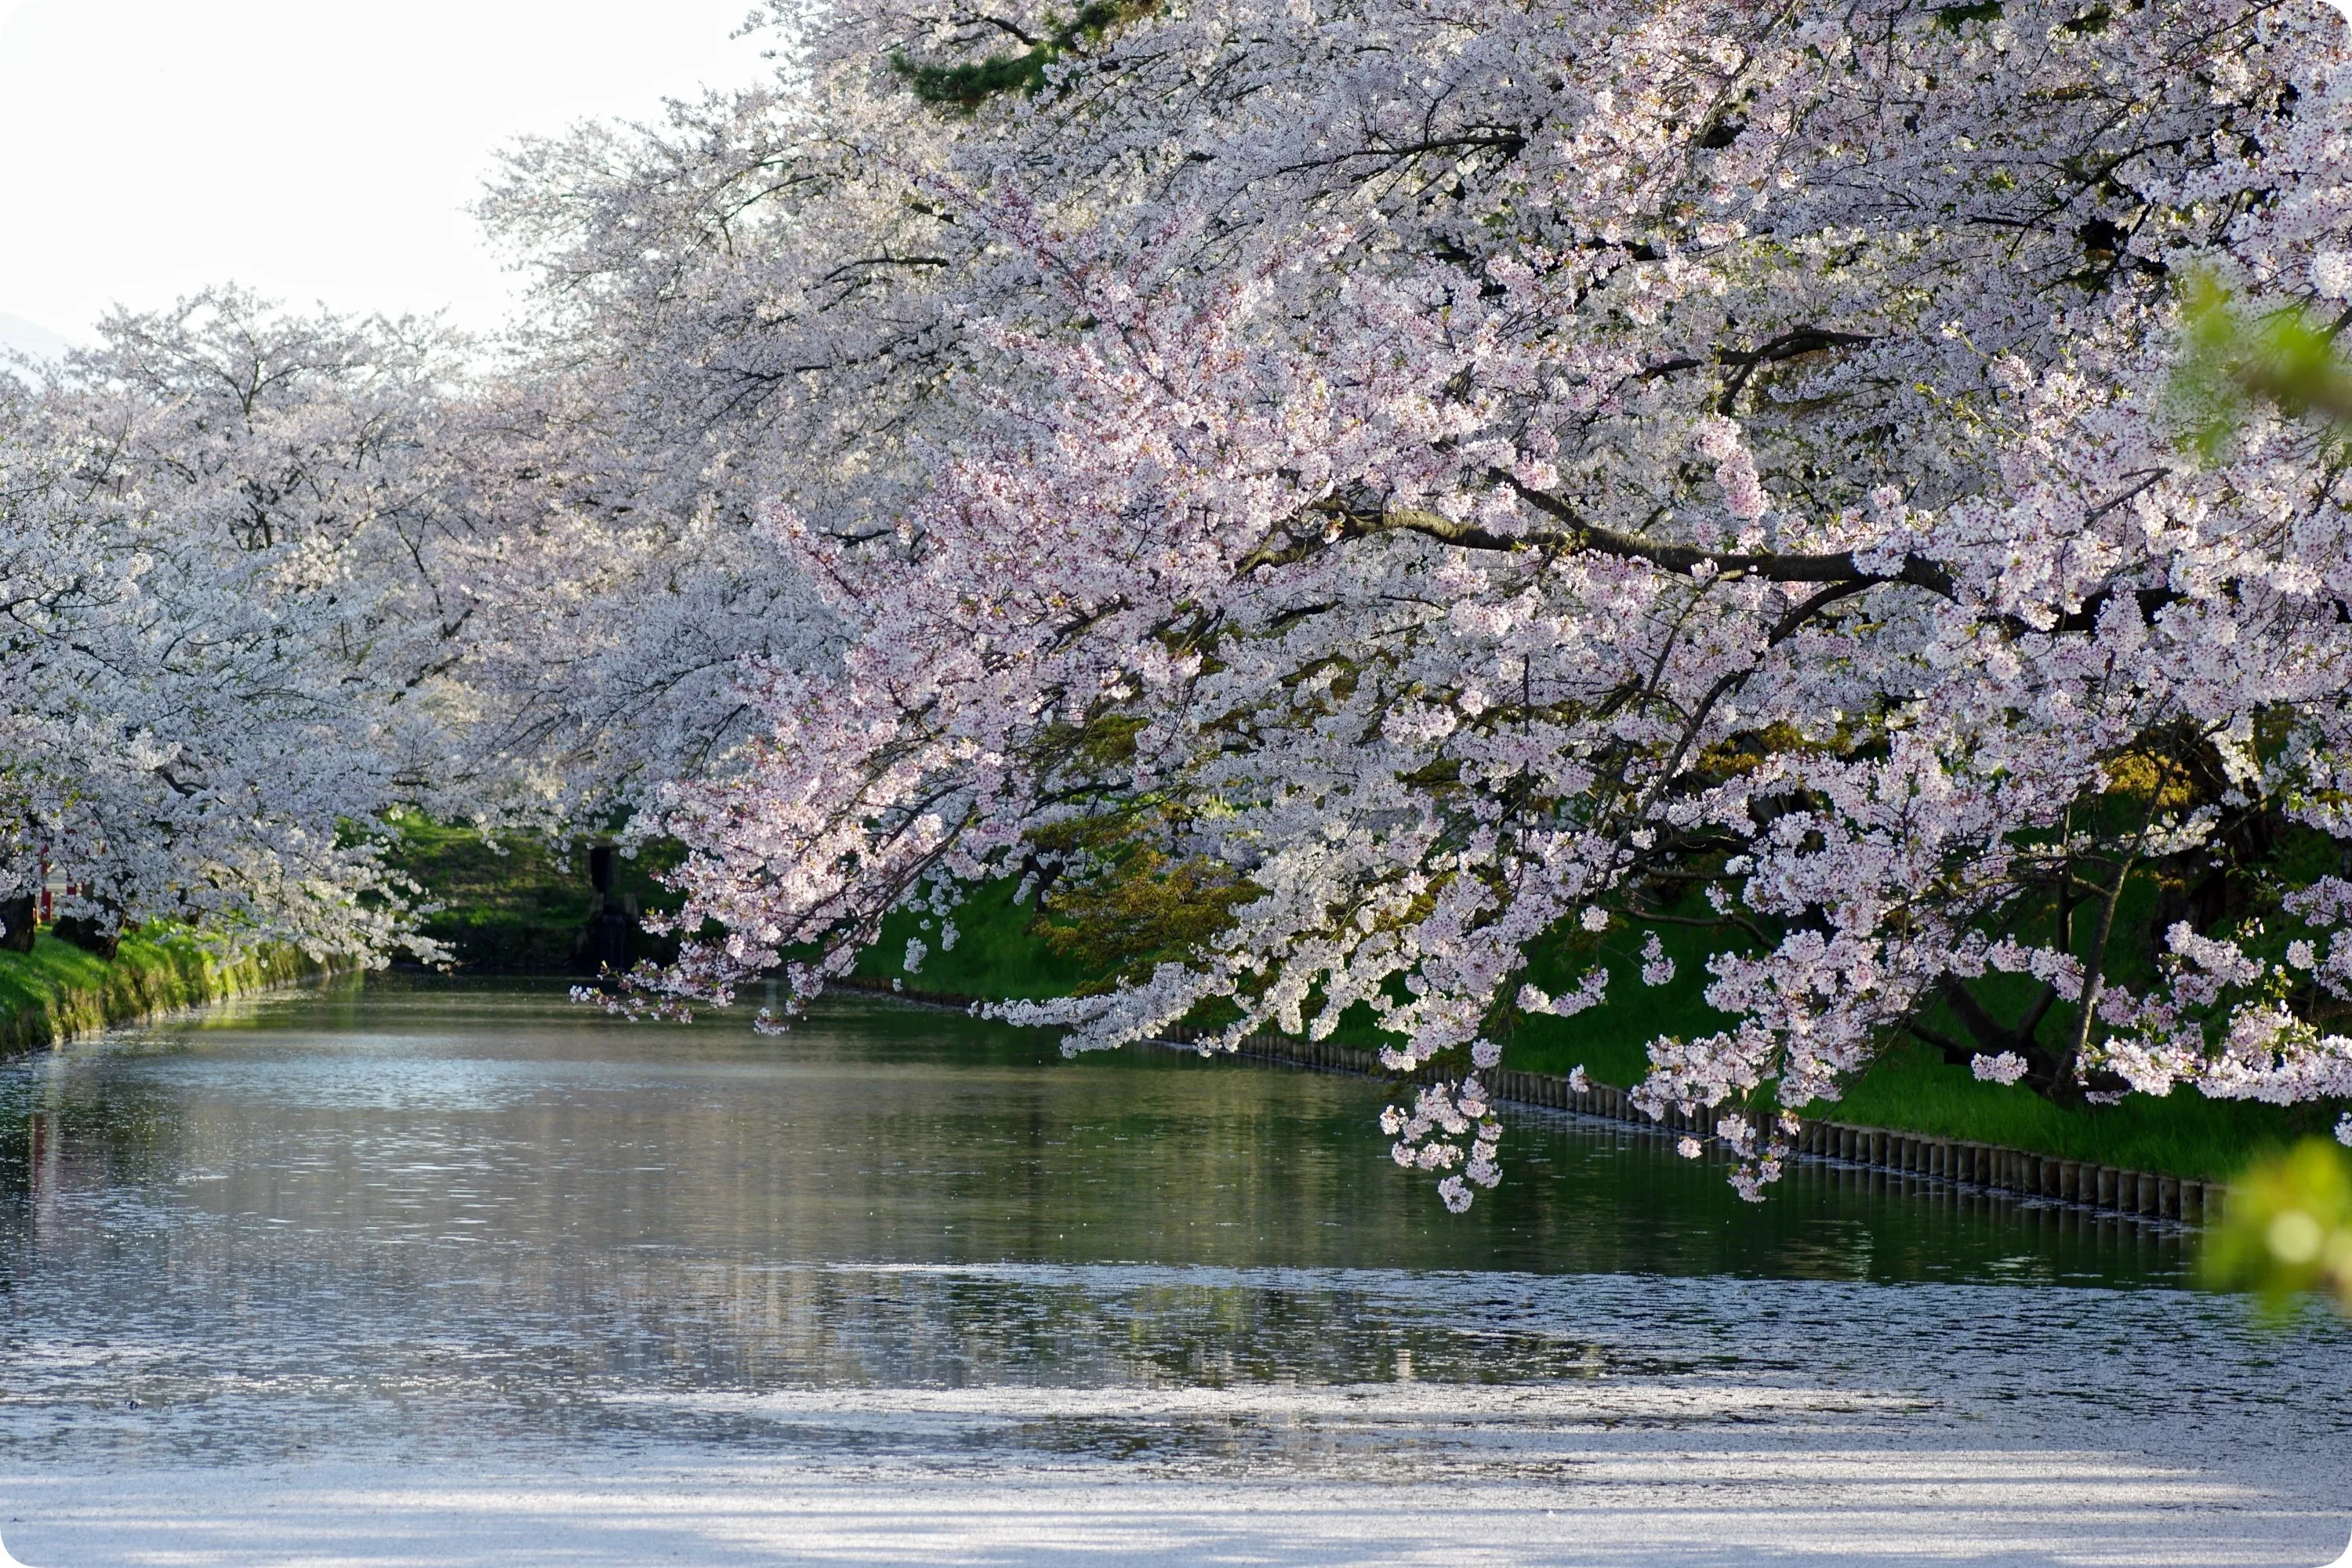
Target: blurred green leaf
x,y
2286,1230
2232,355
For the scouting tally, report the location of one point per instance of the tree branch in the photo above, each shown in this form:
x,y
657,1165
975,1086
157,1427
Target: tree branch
x,y
1349,522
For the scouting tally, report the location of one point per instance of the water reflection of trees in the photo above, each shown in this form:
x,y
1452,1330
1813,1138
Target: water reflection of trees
x,y
919,1200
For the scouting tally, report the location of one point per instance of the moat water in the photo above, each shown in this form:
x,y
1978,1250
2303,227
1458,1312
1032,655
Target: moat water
x,y
418,1221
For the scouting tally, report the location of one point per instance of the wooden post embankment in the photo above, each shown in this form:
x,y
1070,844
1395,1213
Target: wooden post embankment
x,y
2019,1173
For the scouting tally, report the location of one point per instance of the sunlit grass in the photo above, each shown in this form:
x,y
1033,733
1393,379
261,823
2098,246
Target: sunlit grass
x,y
998,953
59,990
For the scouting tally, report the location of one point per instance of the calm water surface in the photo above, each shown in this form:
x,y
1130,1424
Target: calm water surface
x,y
429,1219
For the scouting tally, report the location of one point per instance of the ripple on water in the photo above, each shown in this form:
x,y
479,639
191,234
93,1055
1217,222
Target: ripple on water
x,y
418,1221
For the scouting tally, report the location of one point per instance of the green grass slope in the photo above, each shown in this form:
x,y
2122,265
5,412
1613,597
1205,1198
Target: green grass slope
x,y
517,906
58,991
998,953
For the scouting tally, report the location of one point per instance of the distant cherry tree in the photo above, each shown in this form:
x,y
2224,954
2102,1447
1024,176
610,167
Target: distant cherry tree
x,y
231,586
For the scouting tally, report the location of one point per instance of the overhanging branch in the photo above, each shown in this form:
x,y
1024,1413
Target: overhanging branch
x,y
1572,532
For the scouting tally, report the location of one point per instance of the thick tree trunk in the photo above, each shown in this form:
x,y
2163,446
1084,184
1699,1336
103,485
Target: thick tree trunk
x,y
17,915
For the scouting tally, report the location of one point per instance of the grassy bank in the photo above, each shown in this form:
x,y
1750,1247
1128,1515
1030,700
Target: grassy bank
x,y
1001,953
517,906
58,991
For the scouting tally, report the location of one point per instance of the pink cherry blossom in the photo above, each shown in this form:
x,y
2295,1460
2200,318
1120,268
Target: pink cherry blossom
x,y
1484,473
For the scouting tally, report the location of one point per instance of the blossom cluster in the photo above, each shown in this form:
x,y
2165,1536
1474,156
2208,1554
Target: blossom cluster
x,y
1430,1137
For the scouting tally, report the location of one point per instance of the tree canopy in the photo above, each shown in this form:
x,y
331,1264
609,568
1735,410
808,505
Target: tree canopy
x,y
1441,478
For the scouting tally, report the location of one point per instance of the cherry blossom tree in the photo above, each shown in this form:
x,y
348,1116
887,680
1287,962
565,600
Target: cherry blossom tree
x,y
664,387
1555,473
229,562
617,601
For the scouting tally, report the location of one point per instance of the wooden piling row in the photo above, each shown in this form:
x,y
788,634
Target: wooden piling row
x,y
2021,1173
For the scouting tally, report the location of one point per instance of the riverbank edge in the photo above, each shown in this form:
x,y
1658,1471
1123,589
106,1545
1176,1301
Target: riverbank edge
x,y
75,993
2024,1174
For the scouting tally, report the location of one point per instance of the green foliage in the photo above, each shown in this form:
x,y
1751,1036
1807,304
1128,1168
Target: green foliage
x,y
1001,951
58,991
2231,356
1951,18
2286,1231
968,84
1132,908
1145,911
518,904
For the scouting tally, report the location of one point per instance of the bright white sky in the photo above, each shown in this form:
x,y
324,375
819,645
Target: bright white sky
x,y
315,150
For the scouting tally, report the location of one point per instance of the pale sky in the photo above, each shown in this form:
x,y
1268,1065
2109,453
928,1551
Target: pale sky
x,y
315,150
